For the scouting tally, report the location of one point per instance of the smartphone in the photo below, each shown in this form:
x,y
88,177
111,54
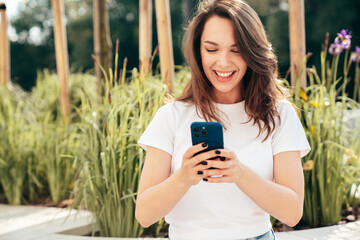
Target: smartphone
x,y
209,132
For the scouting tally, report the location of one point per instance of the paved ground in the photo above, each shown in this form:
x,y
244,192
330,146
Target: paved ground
x,y
45,223
349,231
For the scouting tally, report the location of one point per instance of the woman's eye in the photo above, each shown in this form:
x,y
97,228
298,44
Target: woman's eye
x,y
211,50
235,51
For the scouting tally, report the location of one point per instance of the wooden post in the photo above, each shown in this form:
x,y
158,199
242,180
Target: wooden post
x,y
62,59
145,36
297,40
97,40
8,59
4,46
102,39
163,23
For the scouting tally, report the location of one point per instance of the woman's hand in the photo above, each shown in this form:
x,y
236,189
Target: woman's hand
x,y
227,168
194,168
281,197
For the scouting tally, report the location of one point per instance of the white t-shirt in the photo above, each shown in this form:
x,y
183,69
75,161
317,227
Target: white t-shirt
x,y
222,210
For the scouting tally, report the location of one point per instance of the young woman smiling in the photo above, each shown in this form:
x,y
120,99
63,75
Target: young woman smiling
x,y
234,81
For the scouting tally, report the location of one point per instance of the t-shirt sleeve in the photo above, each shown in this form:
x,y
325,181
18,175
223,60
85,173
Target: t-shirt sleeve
x,y
290,134
159,132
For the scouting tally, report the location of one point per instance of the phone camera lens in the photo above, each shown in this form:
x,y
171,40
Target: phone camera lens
x,y
197,135
196,129
203,132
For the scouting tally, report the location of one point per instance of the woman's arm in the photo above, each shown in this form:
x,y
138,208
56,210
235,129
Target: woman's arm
x,y
282,199
158,193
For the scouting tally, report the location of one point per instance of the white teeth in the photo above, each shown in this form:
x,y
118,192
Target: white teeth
x,y
224,75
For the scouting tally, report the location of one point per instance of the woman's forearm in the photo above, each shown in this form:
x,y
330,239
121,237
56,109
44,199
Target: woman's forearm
x,y
279,201
157,201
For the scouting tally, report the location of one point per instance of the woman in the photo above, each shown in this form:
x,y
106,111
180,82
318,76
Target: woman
x,y
233,82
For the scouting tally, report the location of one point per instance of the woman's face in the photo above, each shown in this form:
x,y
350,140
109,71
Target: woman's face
x,y
222,63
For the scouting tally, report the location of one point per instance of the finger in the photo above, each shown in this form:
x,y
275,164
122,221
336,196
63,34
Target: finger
x,y
228,154
201,159
195,149
220,172
201,167
221,164
223,179
208,155
213,172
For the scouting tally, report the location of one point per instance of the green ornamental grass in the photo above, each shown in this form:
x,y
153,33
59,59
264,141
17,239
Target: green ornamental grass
x,y
332,166
17,159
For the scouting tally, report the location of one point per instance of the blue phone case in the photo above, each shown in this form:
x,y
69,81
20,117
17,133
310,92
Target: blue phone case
x,y
209,132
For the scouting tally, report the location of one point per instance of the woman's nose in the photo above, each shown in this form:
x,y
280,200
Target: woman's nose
x,y
223,59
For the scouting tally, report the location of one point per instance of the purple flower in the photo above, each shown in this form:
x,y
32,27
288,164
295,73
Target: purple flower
x,y
344,34
343,38
355,56
335,49
342,41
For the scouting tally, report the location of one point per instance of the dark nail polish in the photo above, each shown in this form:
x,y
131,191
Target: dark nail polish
x,y
200,173
222,158
203,163
217,152
204,145
205,179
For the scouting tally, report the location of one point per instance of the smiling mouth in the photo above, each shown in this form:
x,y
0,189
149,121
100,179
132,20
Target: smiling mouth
x,y
224,74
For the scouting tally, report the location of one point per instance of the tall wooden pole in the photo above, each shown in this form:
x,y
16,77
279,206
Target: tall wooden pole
x,y
4,46
8,60
102,39
297,40
163,22
62,59
97,40
145,36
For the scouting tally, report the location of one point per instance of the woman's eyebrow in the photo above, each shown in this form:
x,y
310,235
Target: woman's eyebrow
x,y
212,43
215,44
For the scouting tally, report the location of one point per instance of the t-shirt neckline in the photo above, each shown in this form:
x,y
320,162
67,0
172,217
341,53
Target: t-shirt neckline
x,y
230,107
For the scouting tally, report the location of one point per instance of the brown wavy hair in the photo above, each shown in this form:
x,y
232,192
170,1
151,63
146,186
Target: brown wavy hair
x,y
260,87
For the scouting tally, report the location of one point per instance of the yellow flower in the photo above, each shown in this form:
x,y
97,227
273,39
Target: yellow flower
x,y
312,130
308,165
314,104
324,103
303,95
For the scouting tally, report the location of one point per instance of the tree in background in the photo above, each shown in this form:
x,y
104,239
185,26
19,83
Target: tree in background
x,y
30,53
32,47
